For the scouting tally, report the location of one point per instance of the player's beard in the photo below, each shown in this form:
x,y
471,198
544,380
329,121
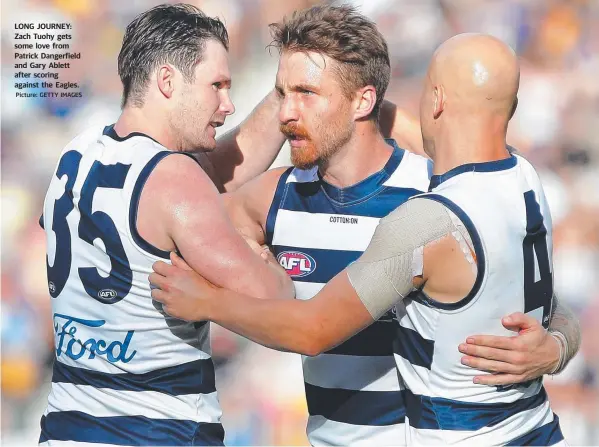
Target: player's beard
x,y
329,139
301,157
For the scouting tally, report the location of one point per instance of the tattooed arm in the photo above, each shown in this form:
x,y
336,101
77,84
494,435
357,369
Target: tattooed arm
x,y
564,326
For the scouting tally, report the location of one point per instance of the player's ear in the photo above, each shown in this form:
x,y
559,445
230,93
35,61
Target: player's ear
x,y
438,100
365,102
165,79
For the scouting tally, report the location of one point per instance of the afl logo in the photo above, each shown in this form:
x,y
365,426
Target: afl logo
x,y
51,287
296,264
107,294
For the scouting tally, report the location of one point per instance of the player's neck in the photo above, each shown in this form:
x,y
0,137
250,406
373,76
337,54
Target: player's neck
x,y
363,155
134,119
469,141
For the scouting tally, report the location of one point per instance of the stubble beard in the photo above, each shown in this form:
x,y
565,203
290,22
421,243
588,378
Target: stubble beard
x,y
193,136
331,141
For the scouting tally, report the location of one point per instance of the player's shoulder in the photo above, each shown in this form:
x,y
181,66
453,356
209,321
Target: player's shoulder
x,y
257,195
523,162
423,164
414,171
180,168
286,174
85,138
290,174
177,186
106,136
526,168
264,184
176,178
276,174
422,206
135,142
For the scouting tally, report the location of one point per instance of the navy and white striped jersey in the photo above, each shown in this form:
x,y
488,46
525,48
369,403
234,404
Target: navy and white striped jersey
x,y
354,394
503,206
124,373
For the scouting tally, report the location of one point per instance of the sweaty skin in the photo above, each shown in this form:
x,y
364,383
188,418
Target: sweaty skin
x,y
179,206
468,99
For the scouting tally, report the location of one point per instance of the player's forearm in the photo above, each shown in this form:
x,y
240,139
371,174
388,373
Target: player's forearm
x,y
250,148
285,325
396,123
564,323
279,285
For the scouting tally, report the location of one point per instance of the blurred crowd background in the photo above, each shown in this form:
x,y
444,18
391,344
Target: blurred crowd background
x,y
556,126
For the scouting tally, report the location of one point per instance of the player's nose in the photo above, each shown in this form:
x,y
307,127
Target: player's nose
x,y
288,111
226,106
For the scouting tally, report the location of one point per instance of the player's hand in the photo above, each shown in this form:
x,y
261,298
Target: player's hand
x,y
183,293
528,355
261,250
267,256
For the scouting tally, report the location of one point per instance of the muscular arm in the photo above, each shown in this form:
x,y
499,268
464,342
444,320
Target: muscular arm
x,y
182,203
248,206
306,327
338,311
248,149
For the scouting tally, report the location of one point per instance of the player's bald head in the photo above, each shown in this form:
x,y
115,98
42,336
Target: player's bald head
x,y
478,69
470,75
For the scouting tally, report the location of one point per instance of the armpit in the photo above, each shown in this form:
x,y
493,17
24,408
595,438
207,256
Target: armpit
x,y
384,274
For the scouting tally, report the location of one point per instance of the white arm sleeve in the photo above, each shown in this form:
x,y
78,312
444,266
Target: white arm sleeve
x,y
384,274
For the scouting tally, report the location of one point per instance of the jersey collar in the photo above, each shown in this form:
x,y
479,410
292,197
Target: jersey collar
x,y
110,132
489,166
369,185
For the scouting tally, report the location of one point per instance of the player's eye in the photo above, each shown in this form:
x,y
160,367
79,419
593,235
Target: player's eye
x,y
304,91
217,86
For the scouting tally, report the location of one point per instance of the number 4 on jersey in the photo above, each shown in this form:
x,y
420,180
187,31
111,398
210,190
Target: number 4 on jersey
x,y
538,280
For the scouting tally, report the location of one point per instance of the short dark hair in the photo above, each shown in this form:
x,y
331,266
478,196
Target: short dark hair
x,y
166,33
347,37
